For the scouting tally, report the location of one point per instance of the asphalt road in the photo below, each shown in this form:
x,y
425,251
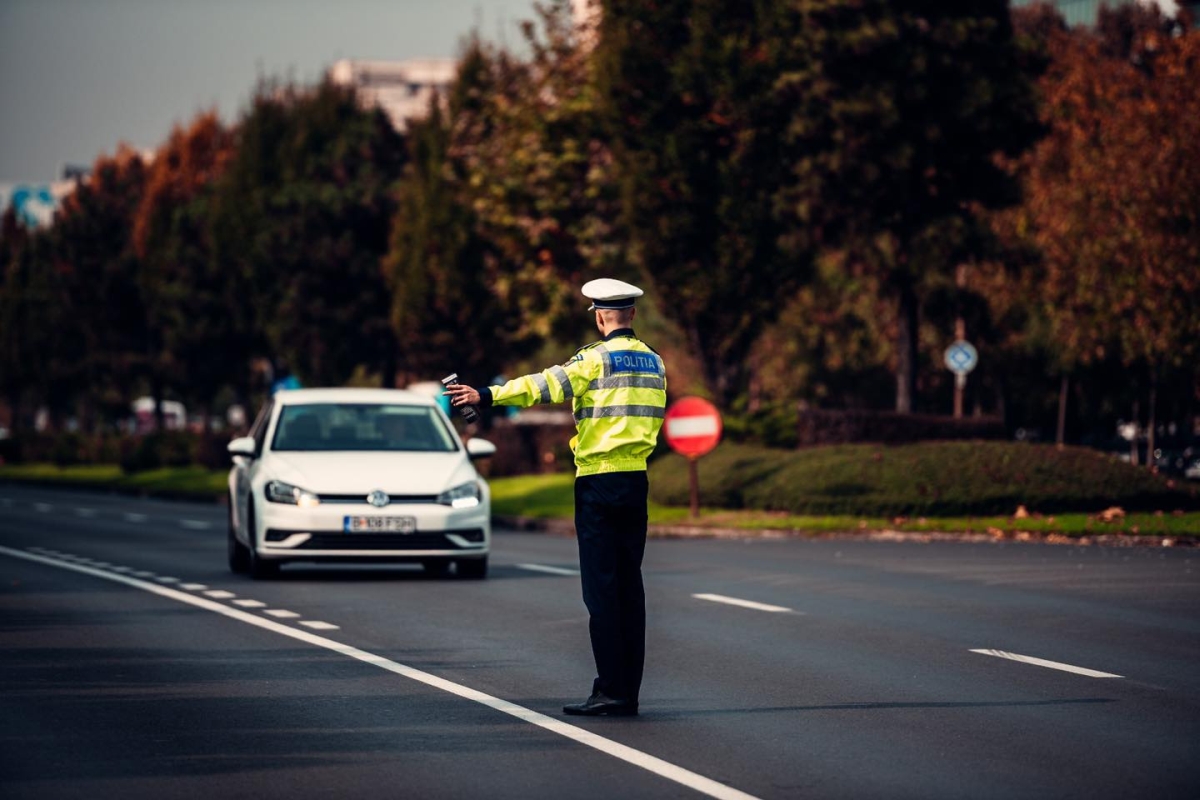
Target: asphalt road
x,y
133,664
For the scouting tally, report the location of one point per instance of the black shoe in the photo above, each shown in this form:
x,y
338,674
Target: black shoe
x,y
599,705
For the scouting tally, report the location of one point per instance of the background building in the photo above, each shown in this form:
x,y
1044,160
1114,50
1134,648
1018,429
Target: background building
x,y
1085,12
402,89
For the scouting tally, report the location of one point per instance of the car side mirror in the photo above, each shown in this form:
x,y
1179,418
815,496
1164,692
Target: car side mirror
x,y
480,448
244,446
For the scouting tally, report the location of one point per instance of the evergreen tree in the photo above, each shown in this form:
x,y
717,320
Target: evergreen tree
x,y
93,238
302,216
443,310
687,94
898,113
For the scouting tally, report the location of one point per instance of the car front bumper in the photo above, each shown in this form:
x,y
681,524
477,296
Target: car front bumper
x,y
291,533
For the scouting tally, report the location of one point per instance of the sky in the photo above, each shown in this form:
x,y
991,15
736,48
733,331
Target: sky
x,y
77,77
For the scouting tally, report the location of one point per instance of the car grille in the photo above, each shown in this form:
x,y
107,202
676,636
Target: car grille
x,y
393,500
430,540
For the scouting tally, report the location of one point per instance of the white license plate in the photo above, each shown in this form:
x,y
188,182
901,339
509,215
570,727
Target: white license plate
x,y
379,524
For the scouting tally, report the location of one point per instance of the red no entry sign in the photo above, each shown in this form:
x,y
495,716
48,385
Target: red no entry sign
x,y
692,427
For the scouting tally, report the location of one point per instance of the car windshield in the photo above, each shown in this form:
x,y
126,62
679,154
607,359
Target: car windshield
x,y
362,427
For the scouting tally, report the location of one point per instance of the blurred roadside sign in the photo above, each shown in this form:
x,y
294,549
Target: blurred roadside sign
x,y
693,428
961,357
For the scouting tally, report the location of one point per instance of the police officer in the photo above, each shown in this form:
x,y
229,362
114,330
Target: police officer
x,y
618,389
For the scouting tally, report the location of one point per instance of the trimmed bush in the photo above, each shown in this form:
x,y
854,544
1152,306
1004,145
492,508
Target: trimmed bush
x,y
933,478
155,450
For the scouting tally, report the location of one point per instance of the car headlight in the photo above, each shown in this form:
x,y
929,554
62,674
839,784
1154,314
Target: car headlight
x,y
465,496
280,492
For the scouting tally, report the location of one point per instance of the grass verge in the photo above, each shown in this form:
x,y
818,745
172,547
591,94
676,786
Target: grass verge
x,y
192,482
552,496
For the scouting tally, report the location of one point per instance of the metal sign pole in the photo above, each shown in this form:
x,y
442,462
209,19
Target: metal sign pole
x,y
694,486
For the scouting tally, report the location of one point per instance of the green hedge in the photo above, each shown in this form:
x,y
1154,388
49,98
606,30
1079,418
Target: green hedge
x,y
135,453
934,478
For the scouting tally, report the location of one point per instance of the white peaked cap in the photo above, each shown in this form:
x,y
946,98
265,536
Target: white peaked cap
x,y
610,293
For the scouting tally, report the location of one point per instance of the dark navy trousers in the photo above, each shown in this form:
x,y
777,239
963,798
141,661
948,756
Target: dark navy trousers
x,y
610,523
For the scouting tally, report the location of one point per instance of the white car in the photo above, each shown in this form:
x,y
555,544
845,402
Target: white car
x,y
357,475
1192,471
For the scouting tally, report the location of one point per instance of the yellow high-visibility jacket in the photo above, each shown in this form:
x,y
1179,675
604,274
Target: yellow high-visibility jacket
x,y
618,390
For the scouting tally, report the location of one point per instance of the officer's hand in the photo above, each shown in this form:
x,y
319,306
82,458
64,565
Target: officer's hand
x,y
462,395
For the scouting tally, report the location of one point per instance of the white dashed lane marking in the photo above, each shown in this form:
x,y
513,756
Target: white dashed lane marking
x,y
193,587
141,573
43,507
250,603
85,512
1041,662
734,601
220,594
548,570
281,613
131,517
167,579
195,524
317,625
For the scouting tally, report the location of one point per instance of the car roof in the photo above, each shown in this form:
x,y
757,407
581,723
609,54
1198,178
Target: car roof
x,y
291,397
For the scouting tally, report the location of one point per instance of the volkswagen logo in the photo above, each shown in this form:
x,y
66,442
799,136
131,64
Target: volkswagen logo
x,y
378,498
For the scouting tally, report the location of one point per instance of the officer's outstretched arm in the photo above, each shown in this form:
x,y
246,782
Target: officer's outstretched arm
x,y
557,384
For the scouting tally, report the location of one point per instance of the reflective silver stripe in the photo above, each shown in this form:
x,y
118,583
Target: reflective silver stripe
x,y
595,412
563,381
628,382
543,386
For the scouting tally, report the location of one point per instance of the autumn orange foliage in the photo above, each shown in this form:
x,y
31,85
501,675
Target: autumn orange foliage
x,y
1110,192
189,161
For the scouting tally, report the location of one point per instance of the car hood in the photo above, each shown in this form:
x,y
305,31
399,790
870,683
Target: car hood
x,y
352,473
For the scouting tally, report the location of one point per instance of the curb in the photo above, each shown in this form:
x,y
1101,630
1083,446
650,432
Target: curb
x,y
565,527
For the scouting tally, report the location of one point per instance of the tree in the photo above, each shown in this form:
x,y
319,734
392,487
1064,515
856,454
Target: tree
x,y
1110,197
93,243
301,217
442,307
19,359
687,94
897,116
536,165
184,288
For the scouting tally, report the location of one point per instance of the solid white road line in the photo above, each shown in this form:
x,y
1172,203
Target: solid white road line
x,y
317,625
281,613
733,601
219,594
625,753
1041,662
250,603
550,570
195,524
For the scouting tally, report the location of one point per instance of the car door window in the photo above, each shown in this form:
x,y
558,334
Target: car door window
x,y
259,429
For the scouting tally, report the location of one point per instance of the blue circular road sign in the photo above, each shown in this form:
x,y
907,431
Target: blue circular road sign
x,y
961,357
